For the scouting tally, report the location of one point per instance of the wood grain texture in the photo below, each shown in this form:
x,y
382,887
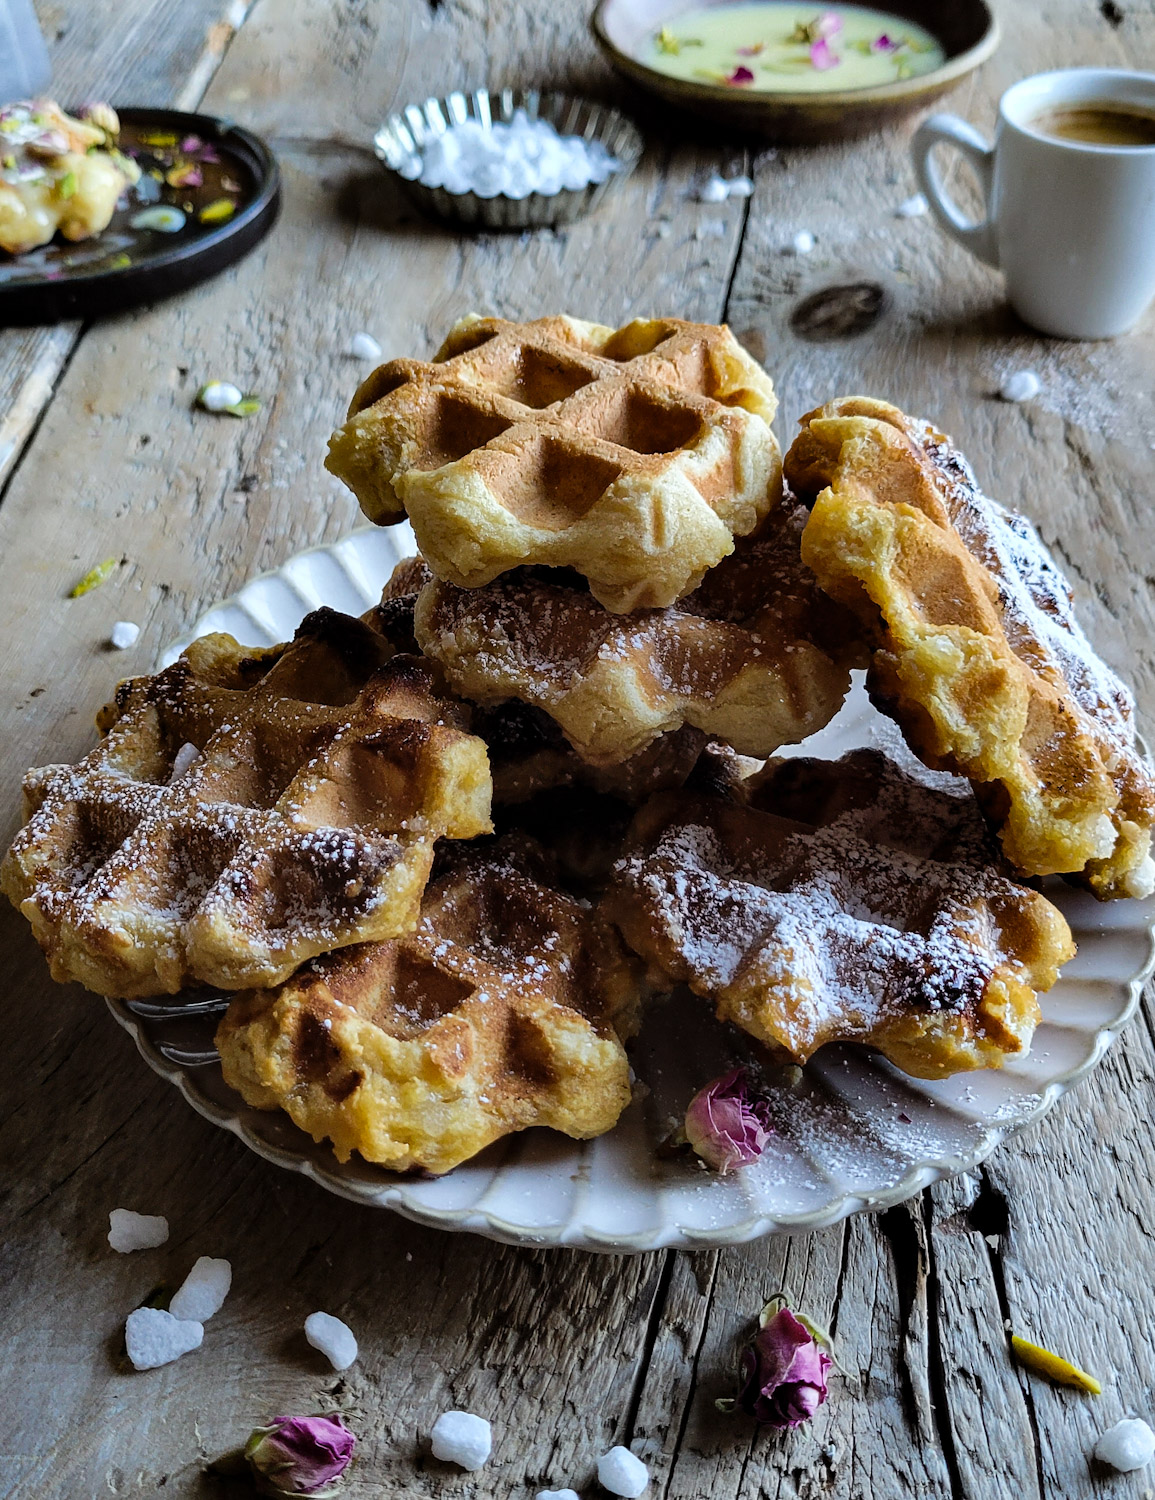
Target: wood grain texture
x,y
566,1353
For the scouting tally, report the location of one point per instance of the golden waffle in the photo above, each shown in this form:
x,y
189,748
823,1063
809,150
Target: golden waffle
x,y
844,901
978,654
502,1010
756,656
246,810
527,751
633,456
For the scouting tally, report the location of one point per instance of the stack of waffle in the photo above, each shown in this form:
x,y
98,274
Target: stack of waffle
x,y
440,856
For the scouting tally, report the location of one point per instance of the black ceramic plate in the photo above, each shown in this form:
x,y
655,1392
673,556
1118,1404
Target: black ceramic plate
x,y
221,190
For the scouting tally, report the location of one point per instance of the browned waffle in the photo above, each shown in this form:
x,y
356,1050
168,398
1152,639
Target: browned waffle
x,y
246,810
756,656
633,456
502,1010
843,901
527,751
978,654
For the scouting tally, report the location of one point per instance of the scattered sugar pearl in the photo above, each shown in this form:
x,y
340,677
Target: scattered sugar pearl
x,y
365,346
203,1290
913,207
461,1438
622,1473
333,1338
1022,385
1128,1445
219,395
185,757
124,634
713,190
154,1337
557,1495
802,243
716,189
131,1231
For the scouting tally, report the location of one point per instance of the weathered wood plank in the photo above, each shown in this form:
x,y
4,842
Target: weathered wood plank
x,y
567,1353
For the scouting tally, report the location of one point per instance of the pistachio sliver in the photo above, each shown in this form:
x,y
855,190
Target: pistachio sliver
x,y
101,573
1052,1366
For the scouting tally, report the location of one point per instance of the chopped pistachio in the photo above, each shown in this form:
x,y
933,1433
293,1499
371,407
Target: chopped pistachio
x,y
1052,1366
67,185
101,573
217,211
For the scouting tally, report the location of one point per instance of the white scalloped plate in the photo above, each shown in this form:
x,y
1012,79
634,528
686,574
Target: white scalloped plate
x,y
854,1134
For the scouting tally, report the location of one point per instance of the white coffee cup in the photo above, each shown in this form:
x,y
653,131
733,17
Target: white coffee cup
x,y
1070,224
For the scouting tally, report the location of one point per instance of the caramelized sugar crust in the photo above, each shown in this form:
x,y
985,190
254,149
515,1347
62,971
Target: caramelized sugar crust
x,y
977,652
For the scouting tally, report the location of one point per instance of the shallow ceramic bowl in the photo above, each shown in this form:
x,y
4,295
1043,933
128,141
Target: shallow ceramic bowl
x,y
966,29
404,133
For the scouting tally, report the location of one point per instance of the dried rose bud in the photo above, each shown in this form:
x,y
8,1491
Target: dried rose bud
x,y
300,1455
727,1124
782,1374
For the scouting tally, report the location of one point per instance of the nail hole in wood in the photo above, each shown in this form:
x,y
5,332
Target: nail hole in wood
x,y
838,312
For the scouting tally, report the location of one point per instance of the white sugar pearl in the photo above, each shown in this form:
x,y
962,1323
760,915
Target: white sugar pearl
x,y
739,187
622,1473
124,634
713,190
802,243
333,1338
365,346
461,1438
186,756
557,1495
203,1290
514,159
1128,1445
154,1337
912,208
130,1231
219,395
1022,385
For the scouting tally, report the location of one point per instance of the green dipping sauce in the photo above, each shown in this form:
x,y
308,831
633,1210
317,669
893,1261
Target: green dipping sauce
x,y
772,47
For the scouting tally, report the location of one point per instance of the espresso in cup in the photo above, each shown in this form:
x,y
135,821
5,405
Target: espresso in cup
x,y
1069,185
1097,125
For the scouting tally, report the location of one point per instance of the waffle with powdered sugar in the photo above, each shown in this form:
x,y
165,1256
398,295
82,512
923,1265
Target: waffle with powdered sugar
x,y
504,1008
246,810
842,901
756,656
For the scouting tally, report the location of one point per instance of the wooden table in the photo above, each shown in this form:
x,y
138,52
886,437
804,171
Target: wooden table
x,y
567,1353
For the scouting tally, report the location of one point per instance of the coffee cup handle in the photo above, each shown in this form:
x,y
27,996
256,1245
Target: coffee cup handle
x,y
978,238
